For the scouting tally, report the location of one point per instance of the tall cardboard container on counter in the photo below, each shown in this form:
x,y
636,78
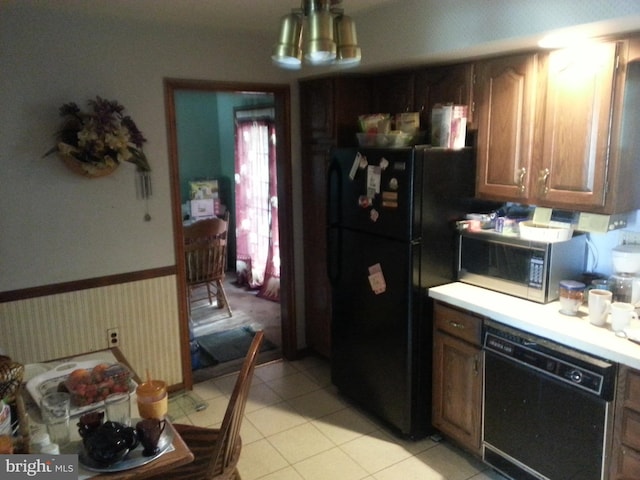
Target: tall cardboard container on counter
x,y
458,127
448,126
441,125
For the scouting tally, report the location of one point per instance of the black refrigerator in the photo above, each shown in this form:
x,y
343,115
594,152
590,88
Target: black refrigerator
x,y
391,235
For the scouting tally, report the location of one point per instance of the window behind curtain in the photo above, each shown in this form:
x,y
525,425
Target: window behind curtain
x,y
258,255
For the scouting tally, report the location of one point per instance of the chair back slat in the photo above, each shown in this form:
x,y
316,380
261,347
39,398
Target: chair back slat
x,y
229,440
205,251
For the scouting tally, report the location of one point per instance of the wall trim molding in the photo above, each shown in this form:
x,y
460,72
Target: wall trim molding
x,y
53,289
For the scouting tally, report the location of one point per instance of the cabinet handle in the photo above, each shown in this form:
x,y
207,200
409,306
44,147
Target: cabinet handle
x,y
521,186
476,365
456,324
543,180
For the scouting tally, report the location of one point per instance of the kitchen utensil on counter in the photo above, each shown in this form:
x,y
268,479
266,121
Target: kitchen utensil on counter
x,y
89,422
539,232
110,443
600,284
626,258
621,315
118,408
55,408
625,287
153,399
149,431
625,281
599,302
571,294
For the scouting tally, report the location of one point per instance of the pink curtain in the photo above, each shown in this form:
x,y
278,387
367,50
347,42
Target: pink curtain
x,y
257,243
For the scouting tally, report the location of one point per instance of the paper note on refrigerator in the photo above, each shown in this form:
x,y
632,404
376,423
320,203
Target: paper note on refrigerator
x,y
376,279
373,180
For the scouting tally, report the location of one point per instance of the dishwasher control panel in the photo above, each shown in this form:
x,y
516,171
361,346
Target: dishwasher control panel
x,y
588,373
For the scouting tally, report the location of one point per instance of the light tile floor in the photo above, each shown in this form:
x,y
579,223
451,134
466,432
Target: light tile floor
x,y
297,427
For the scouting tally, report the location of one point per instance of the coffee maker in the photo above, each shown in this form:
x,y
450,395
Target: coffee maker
x,y
625,281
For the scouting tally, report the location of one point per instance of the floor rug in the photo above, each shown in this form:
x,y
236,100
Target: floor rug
x,y
229,345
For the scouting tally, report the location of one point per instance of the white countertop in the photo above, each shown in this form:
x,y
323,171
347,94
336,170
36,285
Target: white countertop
x,y
542,320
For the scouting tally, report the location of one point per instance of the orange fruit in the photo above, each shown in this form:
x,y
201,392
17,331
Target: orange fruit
x,y
79,375
98,371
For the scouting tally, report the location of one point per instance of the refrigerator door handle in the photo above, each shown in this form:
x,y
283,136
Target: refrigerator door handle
x,y
334,194
334,255
334,235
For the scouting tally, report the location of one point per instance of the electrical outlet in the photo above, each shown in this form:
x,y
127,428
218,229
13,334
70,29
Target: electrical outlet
x,y
628,237
113,337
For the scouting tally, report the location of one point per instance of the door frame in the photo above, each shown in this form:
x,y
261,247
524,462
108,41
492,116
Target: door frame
x,y
282,105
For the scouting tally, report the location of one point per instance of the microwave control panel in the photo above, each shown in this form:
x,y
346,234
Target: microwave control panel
x,y
536,271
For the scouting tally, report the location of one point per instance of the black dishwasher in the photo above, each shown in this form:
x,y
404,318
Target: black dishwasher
x,y
547,408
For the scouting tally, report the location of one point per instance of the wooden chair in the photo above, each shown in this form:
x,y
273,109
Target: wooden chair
x,y
205,253
217,451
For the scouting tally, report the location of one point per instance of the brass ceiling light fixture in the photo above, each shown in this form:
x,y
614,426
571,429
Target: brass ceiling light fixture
x,y
330,36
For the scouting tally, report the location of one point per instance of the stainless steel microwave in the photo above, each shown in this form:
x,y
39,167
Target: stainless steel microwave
x,y
522,268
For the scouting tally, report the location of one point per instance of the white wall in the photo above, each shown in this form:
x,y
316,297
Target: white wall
x,y
60,227
407,31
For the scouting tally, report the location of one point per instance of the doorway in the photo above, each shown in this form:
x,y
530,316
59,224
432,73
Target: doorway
x,y
281,101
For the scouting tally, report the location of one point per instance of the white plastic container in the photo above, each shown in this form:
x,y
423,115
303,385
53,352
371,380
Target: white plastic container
x,y
39,440
626,258
538,232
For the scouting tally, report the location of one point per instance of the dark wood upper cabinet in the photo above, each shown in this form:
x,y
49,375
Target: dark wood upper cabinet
x,y
560,129
317,122
393,93
443,84
505,99
571,167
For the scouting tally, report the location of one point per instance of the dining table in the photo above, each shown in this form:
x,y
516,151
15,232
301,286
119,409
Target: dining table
x,y
174,455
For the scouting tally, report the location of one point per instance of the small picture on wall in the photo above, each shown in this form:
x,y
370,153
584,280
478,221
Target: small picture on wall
x,y
204,189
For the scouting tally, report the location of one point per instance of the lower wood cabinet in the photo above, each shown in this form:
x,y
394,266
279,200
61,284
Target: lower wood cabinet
x,y
625,461
457,376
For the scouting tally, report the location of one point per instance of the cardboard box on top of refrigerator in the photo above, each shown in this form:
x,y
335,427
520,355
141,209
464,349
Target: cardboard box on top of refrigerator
x,y
448,126
408,122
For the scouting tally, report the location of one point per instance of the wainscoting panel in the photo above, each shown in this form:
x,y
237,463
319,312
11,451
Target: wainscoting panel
x,y
145,313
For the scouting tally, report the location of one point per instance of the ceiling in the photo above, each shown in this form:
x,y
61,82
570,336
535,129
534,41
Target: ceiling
x,y
258,16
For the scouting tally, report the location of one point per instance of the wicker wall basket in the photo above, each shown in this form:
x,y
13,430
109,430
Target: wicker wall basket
x,y
89,170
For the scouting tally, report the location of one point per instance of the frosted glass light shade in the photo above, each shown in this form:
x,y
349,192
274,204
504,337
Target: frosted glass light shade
x,y
320,47
349,52
329,36
287,52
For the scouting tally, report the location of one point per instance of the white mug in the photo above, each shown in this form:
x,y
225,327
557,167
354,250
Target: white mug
x,y
621,315
599,305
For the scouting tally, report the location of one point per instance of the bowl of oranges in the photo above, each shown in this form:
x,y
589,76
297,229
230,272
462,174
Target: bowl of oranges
x,y
92,385
88,383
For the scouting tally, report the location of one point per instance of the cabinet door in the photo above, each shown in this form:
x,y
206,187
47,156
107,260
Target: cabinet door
x,y
457,390
623,175
625,453
446,84
393,93
505,97
573,166
317,287
628,464
352,98
317,110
